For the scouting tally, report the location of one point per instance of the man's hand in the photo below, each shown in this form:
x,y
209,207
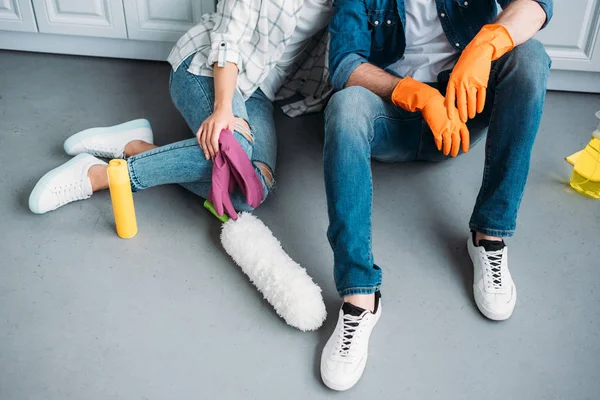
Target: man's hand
x,y
448,132
469,79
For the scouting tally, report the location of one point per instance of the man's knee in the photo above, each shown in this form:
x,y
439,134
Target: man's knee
x,y
531,66
350,112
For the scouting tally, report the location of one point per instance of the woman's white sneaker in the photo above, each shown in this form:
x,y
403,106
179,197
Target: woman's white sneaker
x,y
63,185
493,288
345,355
109,142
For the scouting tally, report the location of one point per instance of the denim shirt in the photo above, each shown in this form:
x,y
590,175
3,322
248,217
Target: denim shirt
x,y
373,30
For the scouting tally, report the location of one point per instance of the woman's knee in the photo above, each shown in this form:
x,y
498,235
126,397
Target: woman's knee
x,y
192,95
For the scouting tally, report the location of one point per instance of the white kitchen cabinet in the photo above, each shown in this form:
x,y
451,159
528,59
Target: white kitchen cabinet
x,y
103,18
573,42
147,29
162,20
17,15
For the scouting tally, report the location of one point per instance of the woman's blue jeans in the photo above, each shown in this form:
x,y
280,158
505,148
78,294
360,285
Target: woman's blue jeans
x,y
359,126
184,162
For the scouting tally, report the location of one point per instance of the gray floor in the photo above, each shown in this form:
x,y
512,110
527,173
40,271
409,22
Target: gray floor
x,y
86,315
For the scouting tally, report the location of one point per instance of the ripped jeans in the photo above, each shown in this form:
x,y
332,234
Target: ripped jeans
x,y
184,163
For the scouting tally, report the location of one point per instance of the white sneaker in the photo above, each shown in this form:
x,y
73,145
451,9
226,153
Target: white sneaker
x,y
494,290
109,142
63,185
345,355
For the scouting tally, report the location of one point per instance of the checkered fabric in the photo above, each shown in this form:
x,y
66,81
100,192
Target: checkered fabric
x,y
253,34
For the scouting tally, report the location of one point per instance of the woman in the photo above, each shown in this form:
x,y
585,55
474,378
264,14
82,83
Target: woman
x,y
226,73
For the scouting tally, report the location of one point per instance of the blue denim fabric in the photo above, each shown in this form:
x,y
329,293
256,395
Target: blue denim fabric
x,y
373,30
359,126
183,162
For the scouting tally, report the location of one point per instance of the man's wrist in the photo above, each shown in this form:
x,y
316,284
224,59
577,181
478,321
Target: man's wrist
x,y
394,85
413,95
496,38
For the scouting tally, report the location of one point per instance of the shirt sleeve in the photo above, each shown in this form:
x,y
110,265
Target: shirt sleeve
x,y
547,6
235,21
350,43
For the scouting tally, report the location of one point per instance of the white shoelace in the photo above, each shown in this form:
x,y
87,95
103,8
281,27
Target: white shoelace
x,y
493,269
71,192
351,329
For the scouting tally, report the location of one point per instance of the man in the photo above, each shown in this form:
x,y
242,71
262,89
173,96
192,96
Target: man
x,y
396,101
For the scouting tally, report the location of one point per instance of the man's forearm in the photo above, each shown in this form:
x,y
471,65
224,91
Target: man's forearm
x,y
523,19
375,79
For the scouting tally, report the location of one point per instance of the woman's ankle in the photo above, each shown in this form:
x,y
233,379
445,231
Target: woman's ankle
x,y
98,177
136,147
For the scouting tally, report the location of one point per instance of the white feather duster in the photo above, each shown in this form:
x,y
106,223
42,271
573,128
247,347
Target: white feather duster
x,y
282,281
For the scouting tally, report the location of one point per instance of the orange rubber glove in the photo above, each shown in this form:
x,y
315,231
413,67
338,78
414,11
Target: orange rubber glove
x,y
448,132
469,78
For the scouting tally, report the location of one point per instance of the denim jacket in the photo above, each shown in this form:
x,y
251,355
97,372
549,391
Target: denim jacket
x,y
373,30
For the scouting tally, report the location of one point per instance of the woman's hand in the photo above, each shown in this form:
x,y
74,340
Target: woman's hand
x,y
208,134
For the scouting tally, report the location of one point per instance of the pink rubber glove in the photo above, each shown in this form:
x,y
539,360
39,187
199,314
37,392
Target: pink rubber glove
x,y
241,168
222,186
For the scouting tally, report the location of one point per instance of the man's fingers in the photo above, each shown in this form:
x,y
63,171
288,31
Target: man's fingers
x,y
447,143
481,93
438,141
455,144
450,101
465,137
472,102
462,104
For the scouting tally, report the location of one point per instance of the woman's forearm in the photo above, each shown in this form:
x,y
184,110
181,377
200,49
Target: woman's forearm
x,y
523,19
225,84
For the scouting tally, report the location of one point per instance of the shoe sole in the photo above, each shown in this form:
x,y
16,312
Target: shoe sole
x,y
494,316
36,193
88,133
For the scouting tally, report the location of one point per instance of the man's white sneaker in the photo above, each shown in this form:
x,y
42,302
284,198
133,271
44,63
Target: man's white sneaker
x,y
494,290
63,185
109,142
345,355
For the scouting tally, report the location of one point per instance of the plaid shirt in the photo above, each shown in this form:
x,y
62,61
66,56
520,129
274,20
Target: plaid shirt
x,y
253,34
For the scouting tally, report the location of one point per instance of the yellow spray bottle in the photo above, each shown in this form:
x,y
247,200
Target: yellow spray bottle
x,y
586,167
122,199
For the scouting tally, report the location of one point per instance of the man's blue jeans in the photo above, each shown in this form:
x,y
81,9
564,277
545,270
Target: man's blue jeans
x,y
359,126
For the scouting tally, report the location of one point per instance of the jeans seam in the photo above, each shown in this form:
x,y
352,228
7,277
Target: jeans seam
x,y
370,247
359,290
487,150
136,184
164,149
210,103
395,119
492,232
